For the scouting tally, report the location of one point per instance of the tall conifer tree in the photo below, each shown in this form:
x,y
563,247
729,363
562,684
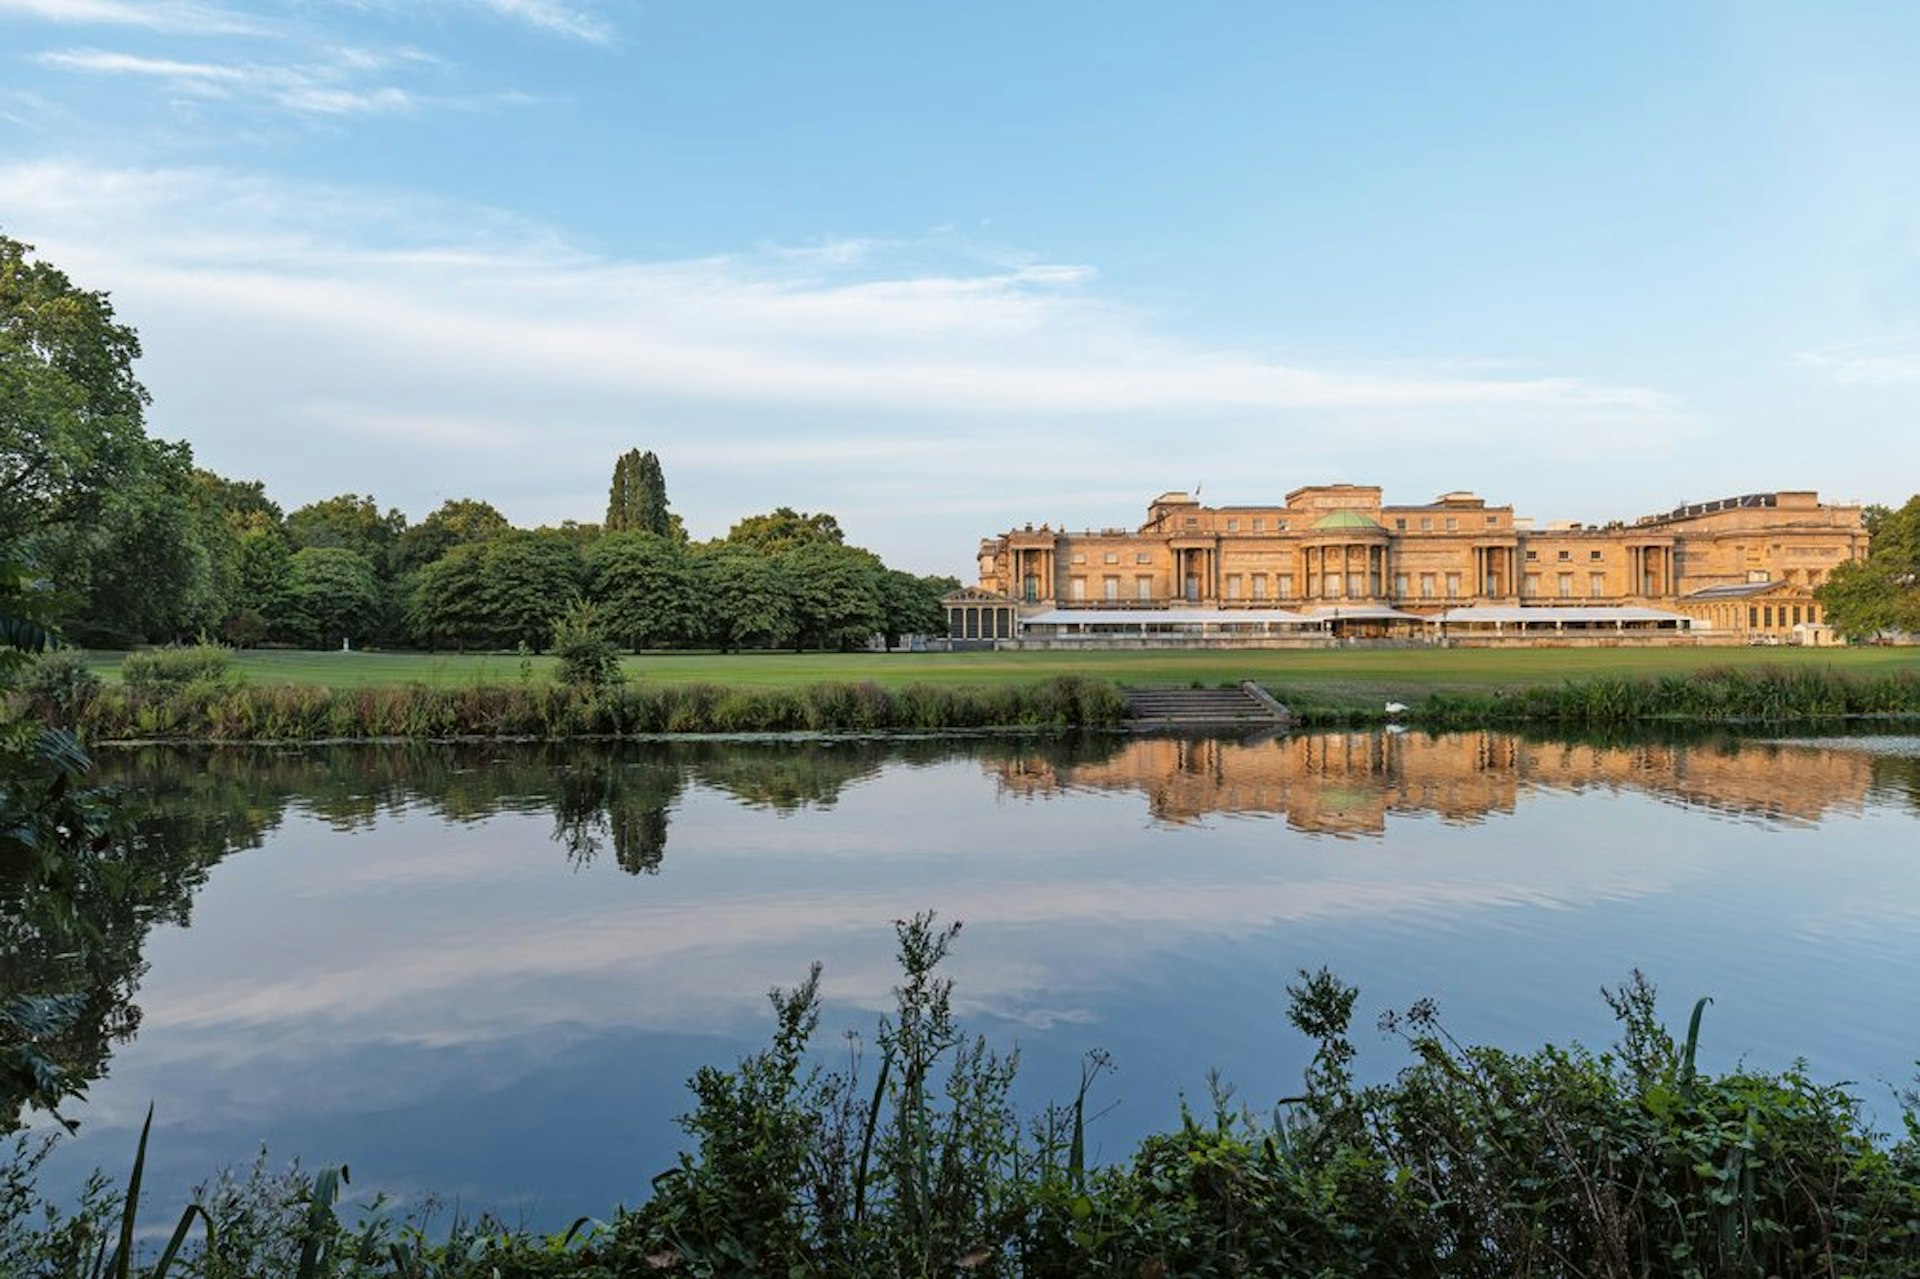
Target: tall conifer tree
x,y
637,500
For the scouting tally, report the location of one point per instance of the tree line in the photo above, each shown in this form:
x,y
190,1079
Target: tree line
x,y
127,541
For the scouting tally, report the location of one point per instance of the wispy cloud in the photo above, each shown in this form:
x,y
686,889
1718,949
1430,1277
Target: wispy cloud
x,y
179,16
561,19
1886,363
332,86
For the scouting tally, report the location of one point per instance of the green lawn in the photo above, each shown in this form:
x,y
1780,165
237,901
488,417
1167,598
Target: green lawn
x,y
1327,676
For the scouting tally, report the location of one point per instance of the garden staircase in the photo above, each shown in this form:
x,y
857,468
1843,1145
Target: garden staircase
x,y
1153,710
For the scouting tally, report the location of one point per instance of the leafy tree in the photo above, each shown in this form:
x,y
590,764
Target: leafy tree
x,y
458,522
637,499
783,529
71,410
331,595
532,579
587,658
645,588
1882,592
152,563
352,523
448,606
747,601
836,594
910,605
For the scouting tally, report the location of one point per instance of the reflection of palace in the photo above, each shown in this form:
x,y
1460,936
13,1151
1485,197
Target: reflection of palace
x,y
1333,561
1347,783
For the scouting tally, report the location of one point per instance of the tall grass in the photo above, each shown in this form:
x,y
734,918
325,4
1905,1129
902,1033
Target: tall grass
x,y
1767,694
293,712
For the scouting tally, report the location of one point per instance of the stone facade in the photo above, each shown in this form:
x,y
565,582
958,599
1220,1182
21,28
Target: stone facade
x,y
1339,545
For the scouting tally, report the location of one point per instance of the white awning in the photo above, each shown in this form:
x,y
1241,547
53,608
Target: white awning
x,y
1559,615
1364,613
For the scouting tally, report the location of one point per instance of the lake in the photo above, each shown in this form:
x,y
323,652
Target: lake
x,y
486,972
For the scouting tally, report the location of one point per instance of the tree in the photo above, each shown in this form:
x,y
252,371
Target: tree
x,y
836,594
1862,598
447,607
152,563
332,595
637,499
783,529
532,579
459,522
352,523
71,410
910,605
746,600
645,589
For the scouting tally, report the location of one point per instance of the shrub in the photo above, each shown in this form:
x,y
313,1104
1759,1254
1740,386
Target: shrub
x,y
58,686
588,659
171,670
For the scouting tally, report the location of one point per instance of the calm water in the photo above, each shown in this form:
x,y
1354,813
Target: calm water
x,y
488,971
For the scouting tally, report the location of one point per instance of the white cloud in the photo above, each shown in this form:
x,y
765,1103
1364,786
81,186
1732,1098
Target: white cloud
x,y
561,19
468,352
316,88
1888,363
178,16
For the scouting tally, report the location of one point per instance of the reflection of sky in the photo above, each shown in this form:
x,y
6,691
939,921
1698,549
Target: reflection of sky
x,y
454,1007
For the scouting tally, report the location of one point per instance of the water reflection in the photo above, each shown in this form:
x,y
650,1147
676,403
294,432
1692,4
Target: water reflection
x,y
560,934
1352,783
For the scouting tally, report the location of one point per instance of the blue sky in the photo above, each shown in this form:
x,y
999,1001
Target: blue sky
x,y
946,268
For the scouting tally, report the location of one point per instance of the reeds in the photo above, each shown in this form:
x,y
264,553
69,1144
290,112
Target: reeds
x,y
302,713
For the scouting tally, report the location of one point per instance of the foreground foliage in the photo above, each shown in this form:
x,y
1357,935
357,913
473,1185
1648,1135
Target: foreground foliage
x,y
908,1159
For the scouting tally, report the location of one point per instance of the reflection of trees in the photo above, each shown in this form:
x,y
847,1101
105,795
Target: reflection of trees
x,y
184,809
82,931
1898,777
602,799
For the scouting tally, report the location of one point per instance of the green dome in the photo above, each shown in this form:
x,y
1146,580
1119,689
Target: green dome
x,y
1345,519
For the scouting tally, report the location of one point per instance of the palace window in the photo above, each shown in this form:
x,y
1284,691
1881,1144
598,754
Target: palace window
x,y
1533,555
1453,586
1111,557
1426,586
1285,586
1566,585
1143,587
1594,555
1426,523
1077,588
1565,555
1079,557
1356,584
1233,586
1030,589
1143,557
1400,524
1492,520
1400,585
1596,584
1533,584
1453,524
1259,586
1233,526
1258,525
1111,587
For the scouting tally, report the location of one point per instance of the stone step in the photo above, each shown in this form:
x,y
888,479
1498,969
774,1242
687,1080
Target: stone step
x,y
1201,708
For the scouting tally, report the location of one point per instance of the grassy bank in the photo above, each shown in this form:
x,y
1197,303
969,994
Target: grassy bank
x,y
911,1160
211,695
1355,676
310,712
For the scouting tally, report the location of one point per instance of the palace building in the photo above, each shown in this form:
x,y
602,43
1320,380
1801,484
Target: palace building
x,y
1334,561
